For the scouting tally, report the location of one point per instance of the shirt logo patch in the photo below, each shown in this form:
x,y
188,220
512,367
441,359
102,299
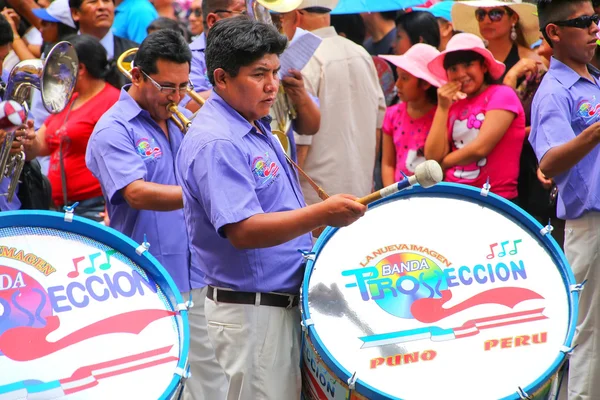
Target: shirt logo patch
x,y
588,109
264,169
147,148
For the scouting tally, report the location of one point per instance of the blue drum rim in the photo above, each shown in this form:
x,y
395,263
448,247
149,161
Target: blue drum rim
x,y
126,246
462,192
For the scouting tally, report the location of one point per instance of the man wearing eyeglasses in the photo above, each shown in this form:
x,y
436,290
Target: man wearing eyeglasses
x,y
565,135
212,11
132,153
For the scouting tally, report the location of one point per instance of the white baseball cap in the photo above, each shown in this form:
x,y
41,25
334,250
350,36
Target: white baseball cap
x,y
57,11
328,4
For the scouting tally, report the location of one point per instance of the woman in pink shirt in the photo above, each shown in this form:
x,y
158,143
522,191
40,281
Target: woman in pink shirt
x,y
479,126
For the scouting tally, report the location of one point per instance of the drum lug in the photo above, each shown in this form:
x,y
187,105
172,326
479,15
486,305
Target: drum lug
x,y
185,306
69,211
578,287
547,229
523,394
485,190
568,350
145,246
307,255
352,381
306,323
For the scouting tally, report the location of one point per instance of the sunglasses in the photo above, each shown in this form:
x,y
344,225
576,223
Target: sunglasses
x,y
583,22
495,14
196,11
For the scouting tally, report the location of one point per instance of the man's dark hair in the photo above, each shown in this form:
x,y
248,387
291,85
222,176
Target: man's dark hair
x,y
167,23
210,6
453,58
165,44
93,55
351,25
420,25
233,43
6,33
555,10
75,4
389,15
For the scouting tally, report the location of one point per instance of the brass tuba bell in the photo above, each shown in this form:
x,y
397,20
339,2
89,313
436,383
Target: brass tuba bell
x,y
55,78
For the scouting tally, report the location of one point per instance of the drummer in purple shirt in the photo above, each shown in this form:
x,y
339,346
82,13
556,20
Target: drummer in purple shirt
x,y
246,217
565,134
132,153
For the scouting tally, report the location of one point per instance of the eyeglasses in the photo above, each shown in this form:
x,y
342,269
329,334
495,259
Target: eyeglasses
x,y
196,11
495,14
583,22
169,90
238,12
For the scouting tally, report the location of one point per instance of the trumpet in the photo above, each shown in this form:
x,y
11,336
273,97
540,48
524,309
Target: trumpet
x,y
180,120
55,78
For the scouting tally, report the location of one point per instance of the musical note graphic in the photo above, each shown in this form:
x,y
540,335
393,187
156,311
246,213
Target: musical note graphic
x,y
92,269
106,265
515,251
76,261
491,255
503,252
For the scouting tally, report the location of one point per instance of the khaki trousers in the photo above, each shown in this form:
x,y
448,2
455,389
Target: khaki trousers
x,y
258,347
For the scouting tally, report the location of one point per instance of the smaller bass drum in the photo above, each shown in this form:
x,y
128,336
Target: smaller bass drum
x,y
85,313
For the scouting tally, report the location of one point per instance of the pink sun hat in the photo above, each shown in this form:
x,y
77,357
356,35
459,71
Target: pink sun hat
x,y
466,41
415,62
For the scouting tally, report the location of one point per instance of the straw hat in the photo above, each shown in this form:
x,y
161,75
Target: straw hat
x,y
415,61
466,41
463,17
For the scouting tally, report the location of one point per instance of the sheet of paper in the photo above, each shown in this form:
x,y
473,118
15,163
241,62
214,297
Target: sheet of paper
x,y
301,48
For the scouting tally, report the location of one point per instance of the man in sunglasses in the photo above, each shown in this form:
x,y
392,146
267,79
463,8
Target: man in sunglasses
x,y
132,153
565,135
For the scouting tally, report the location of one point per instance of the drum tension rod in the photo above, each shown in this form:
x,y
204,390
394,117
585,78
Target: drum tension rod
x,y
69,211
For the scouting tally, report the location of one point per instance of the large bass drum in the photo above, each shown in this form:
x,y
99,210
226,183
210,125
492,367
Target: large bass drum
x,y
441,293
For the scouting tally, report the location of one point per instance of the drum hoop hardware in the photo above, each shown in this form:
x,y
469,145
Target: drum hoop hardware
x,y
307,255
578,287
352,381
184,306
547,229
523,394
306,323
70,211
142,248
568,351
485,190
182,373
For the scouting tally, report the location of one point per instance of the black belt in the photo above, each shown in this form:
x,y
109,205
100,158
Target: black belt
x,y
266,299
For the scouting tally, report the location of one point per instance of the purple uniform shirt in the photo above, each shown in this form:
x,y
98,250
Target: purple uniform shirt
x,y
564,105
128,145
198,67
15,204
229,172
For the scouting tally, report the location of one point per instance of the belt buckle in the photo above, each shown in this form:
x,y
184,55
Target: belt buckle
x,y
290,302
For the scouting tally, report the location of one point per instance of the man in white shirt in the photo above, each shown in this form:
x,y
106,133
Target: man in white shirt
x,y
341,156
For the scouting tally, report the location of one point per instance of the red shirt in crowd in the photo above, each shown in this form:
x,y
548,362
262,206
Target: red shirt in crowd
x,y
76,130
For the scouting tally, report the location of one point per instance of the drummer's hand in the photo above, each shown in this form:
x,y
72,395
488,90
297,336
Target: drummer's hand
x,y
546,183
342,210
294,87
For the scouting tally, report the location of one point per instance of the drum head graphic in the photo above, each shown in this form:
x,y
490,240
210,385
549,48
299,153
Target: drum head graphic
x,y
85,313
440,293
